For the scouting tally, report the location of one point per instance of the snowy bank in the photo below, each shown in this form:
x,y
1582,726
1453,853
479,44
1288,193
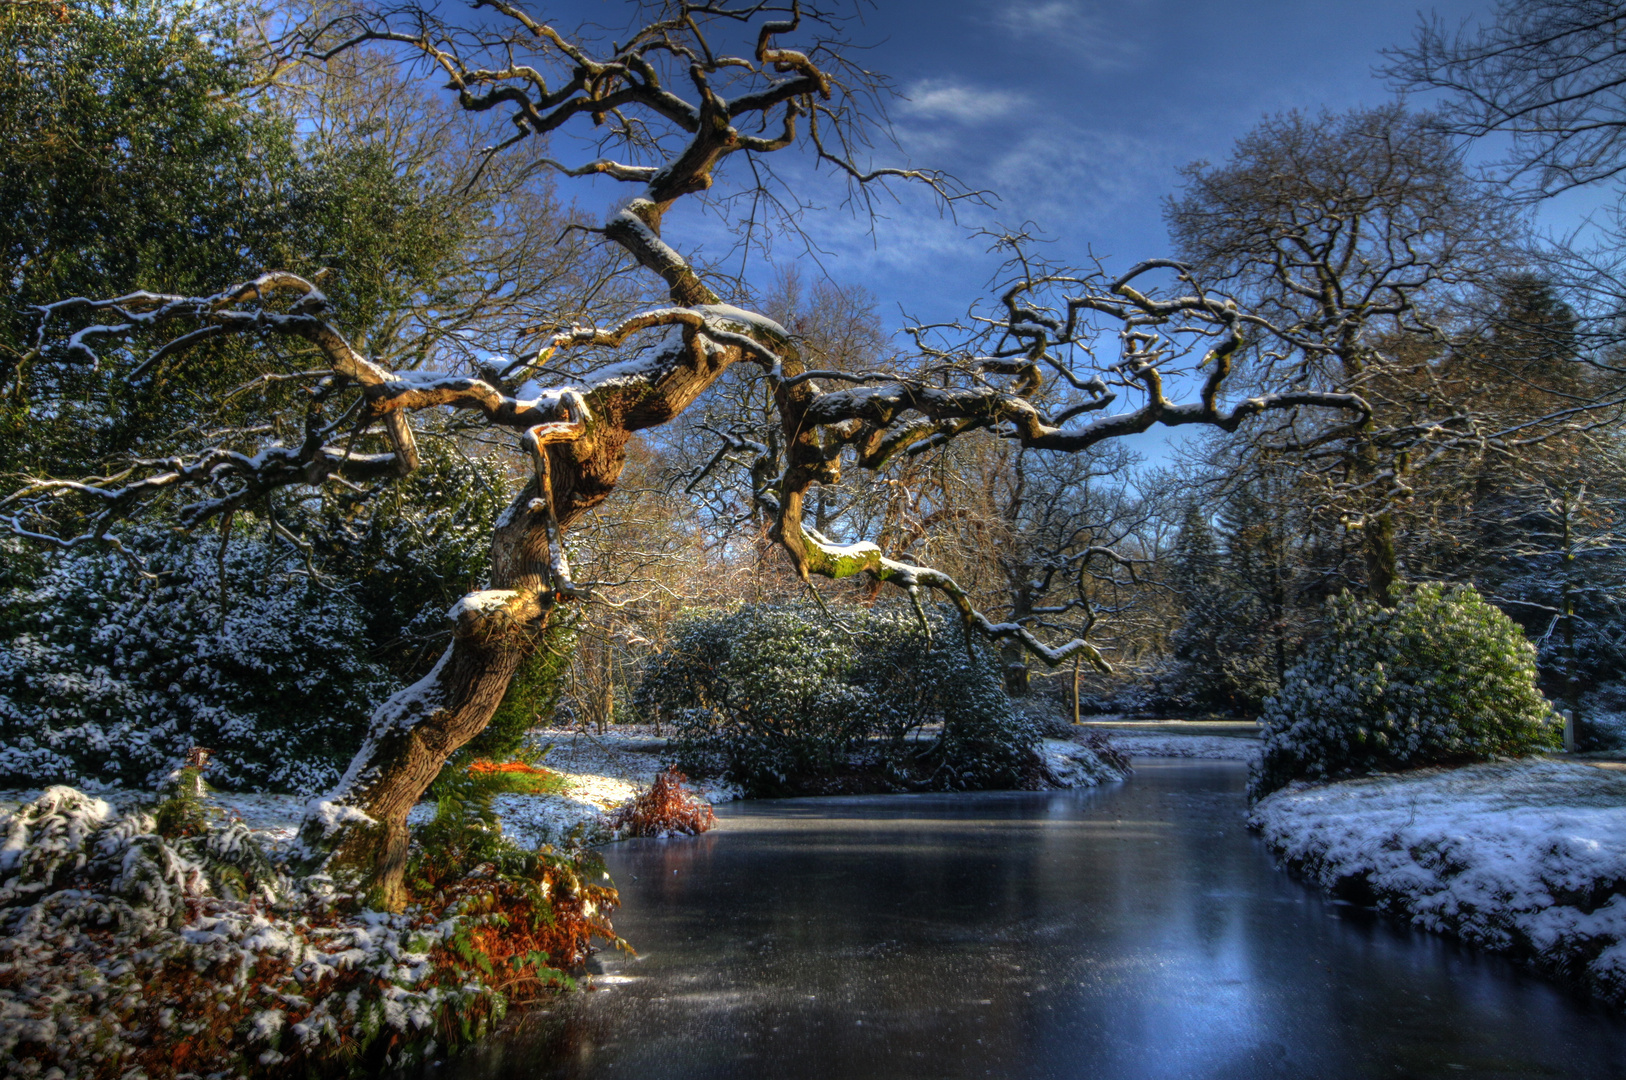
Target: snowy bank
x,y
1524,857
1211,747
1070,763
601,772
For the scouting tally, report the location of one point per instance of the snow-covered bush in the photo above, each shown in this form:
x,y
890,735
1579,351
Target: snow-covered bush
x,y
107,677
1443,677
1602,717
130,950
774,696
410,553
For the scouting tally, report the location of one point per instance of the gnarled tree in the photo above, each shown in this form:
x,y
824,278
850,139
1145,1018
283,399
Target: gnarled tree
x,y
1063,361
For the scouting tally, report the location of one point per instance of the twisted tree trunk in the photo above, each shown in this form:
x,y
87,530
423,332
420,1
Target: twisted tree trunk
x,y
358,831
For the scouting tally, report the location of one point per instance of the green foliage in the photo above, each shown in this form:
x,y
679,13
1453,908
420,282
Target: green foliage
x,y
1442,678
182,812
466,830
526,917
1243,602
466,786
106,677
128,160
388,233
774,696
529,698
142,154
203,957
414,549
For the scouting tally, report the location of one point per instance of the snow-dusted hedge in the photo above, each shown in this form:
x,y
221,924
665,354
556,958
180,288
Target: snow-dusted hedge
x,y
109,678
1443,677
776,695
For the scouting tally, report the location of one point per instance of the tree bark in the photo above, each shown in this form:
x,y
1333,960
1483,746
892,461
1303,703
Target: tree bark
x,y
358,832
1381,561
1013,656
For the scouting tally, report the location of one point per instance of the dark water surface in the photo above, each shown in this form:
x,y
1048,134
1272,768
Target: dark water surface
x,y
1132,931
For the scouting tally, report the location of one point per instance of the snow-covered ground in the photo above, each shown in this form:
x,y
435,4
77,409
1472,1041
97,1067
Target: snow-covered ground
x,y
1524,857
1160,744
1075,765
600,771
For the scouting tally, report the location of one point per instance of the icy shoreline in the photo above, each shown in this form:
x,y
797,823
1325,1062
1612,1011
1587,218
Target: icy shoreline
x,y
1208,747
601,772
1522,857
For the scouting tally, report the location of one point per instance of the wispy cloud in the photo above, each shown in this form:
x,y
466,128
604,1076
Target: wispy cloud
x,y
1079,174
1044,16
1095,34
960,102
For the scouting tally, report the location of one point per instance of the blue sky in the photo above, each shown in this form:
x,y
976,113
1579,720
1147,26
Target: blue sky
x,y
1077,114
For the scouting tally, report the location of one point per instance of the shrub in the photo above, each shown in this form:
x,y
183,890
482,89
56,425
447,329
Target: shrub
x,y
667,808
1441,678
774,695
412,551
130,950
107,678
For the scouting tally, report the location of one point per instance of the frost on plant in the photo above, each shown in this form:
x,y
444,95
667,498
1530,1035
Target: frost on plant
x,y
777,696
110,679
1442,678
129,949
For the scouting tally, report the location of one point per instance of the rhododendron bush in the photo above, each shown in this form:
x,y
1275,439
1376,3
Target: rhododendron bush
x,y
239,643
775,695
1441,678
108,677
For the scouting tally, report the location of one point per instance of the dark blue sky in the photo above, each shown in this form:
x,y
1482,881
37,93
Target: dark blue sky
x,y
1076,114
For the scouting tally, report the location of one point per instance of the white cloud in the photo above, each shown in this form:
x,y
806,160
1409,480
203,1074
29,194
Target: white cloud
x,y
960,103
1046,17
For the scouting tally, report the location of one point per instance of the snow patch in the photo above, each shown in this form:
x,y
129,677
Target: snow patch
x,y
751,320
1074,765
481,603
1209,747
334,815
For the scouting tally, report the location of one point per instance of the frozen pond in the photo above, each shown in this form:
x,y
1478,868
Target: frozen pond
x,y
1136,930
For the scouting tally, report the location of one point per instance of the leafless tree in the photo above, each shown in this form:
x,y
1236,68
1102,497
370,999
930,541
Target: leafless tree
x,y
1547,72
1344,236
680,107
1551,75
